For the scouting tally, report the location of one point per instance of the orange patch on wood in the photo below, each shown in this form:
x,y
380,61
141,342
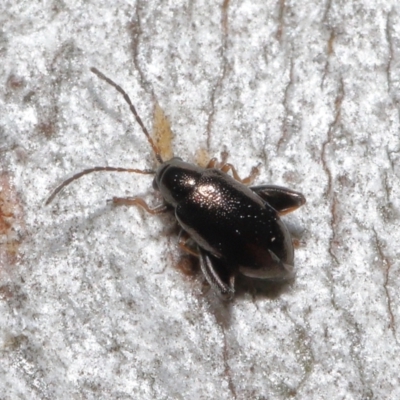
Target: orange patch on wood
x,y
188,265
202,158
11,222
162,133
15,82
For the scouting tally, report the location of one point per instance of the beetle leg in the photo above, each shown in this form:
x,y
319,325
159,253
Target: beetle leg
x,y
246,181
286,271
226,167
212,163
217,274
282,199
183,239
275,270
137,201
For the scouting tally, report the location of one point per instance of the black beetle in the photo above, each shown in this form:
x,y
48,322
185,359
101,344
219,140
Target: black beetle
x,y
234,228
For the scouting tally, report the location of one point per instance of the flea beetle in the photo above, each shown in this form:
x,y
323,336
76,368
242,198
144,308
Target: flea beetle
x,y
233,228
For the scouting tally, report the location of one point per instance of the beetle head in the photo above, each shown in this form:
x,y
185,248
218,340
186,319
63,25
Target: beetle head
x,y
175,179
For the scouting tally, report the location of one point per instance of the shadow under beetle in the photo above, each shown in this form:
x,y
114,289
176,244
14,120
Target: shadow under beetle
x,y
234,228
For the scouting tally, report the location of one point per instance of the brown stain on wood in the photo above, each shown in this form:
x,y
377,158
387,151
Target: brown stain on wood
x,y
162,133
202,157
12,223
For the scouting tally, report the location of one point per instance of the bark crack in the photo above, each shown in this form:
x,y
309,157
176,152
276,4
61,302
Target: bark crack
x,y
286,98
386,264
224,68
329,193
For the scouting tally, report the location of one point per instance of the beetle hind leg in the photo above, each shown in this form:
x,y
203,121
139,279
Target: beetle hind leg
x,y
218,275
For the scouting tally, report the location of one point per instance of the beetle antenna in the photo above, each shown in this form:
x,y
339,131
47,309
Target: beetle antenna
x,y
89,171
133,109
